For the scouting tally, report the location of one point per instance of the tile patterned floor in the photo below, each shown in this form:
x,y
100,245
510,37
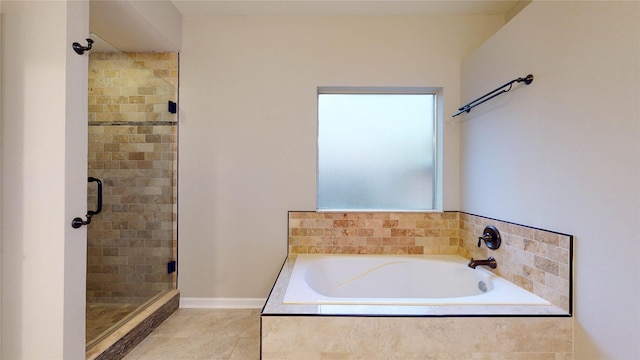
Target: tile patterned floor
x,y
205,334
101,316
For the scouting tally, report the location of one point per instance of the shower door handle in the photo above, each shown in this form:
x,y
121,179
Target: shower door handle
x,y
99,205
77,222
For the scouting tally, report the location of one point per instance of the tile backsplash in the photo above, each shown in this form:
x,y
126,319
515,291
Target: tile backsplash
x,y
535,259
374,233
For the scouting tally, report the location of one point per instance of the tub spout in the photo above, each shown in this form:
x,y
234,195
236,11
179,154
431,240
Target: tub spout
x,y
490,262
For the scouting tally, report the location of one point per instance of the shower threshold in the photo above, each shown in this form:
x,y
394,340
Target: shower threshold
x,y
123,336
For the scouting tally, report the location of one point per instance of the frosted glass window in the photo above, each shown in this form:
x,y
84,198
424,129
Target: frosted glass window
x,y
376,151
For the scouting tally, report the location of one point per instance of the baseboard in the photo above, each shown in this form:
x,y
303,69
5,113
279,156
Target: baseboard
x,y
222,303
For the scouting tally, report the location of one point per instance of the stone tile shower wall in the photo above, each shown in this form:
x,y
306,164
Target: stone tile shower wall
x,y
133,150
535,259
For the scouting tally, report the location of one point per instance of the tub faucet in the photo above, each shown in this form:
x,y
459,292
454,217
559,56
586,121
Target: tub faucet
x,y
490,262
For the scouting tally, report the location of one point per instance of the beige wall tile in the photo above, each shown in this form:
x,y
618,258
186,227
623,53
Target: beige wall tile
x,y
510,338
527,256
138,175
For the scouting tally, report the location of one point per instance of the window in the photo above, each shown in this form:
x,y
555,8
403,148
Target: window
x,y
376,150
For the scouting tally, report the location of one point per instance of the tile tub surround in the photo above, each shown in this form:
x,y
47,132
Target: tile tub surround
x,y
373,233
410,332
419,332
371,338
535,259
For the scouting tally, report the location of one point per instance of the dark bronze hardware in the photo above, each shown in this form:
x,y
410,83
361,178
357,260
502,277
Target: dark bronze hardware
x,y
79,49
490,262
490,95
78,222
491,237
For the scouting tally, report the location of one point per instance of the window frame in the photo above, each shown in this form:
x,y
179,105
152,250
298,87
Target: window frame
x,y
436,203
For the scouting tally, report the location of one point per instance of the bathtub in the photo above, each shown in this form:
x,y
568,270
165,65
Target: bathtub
x,y
399,280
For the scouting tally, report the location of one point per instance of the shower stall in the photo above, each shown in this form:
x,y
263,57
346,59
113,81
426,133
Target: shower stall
x,y
132,242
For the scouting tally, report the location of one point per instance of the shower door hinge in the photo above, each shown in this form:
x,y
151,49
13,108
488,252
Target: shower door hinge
x,y
171,267
172,107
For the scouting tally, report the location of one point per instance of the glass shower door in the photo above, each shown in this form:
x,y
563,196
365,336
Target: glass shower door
x,y
132,243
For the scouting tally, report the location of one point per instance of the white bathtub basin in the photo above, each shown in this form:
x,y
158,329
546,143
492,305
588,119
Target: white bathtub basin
x,y
399,280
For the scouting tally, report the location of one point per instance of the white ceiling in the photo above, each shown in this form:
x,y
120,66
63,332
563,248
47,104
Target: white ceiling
x,y
344,7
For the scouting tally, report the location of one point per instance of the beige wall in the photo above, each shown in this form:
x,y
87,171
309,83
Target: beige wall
x,y
44,145
564,152
134,25
1,152
248,125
